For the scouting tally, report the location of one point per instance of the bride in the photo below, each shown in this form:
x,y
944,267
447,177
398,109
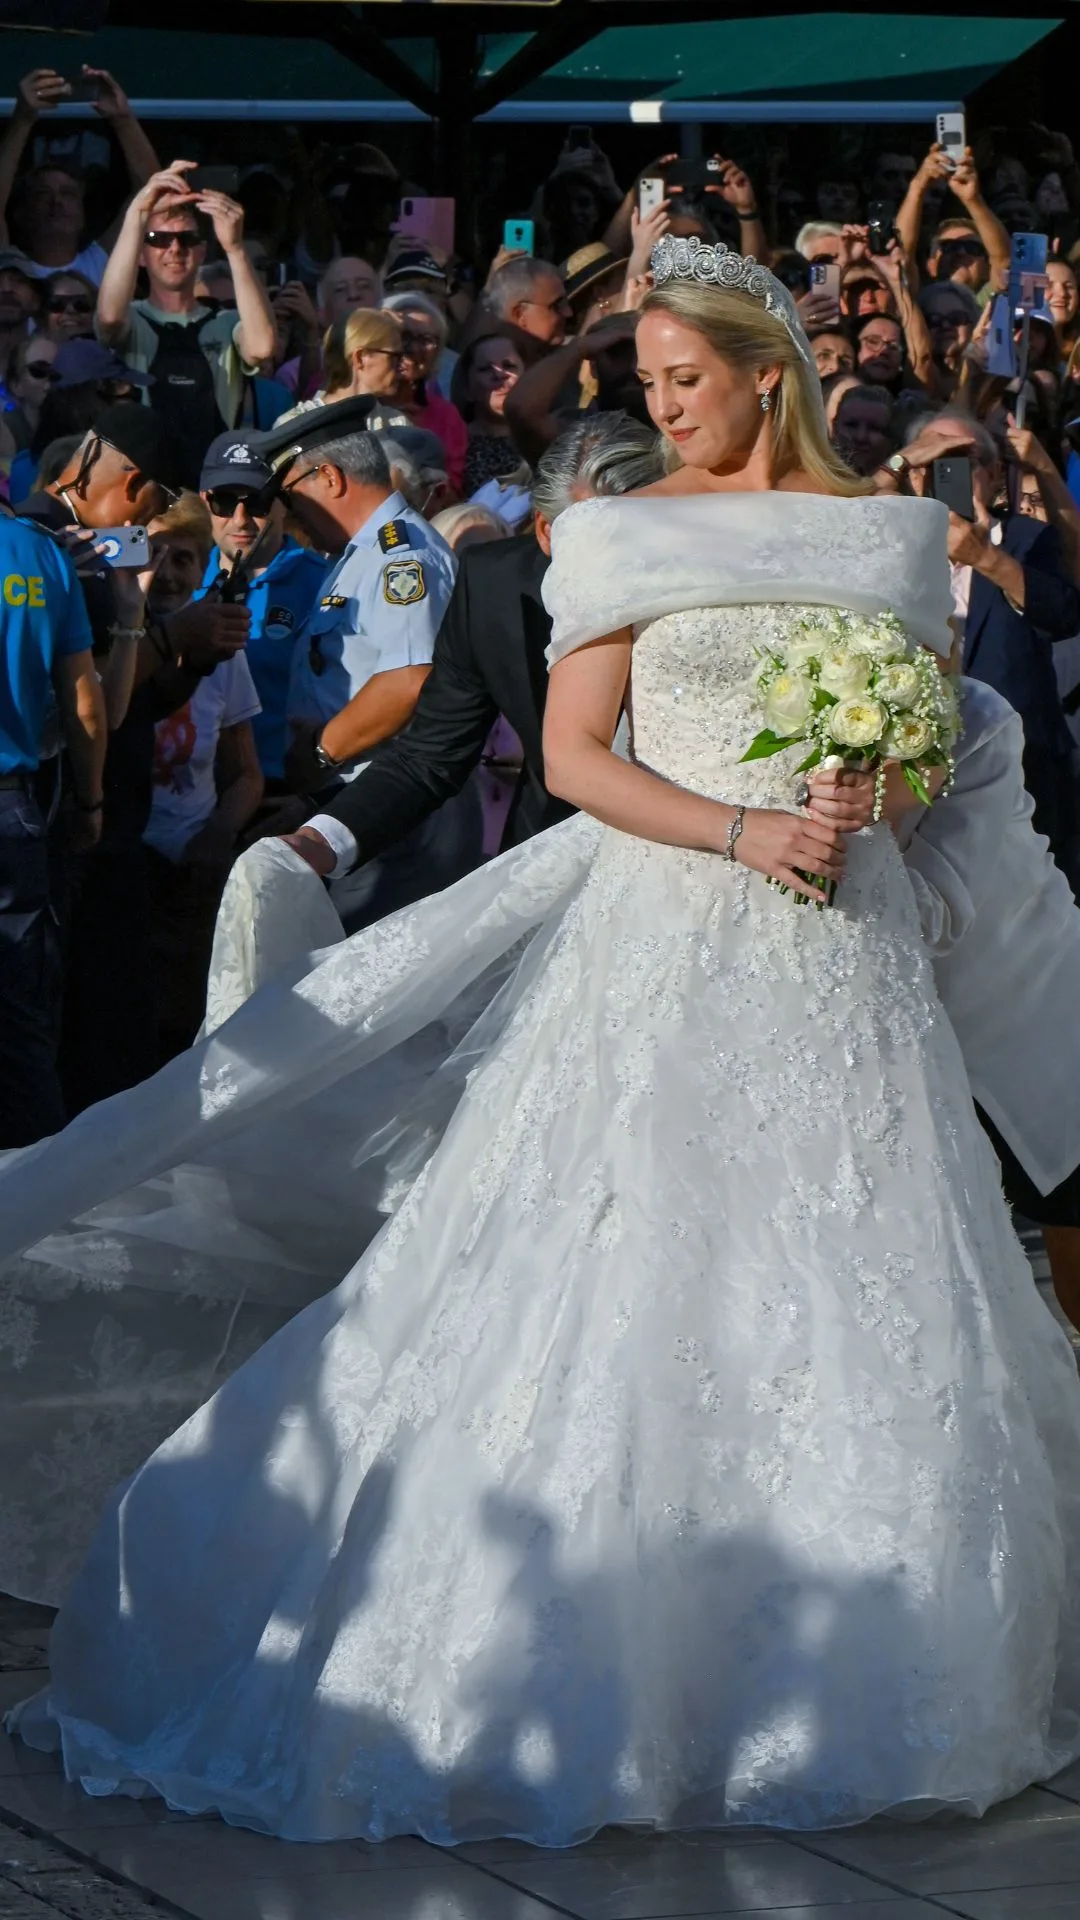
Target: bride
x,y
691,1446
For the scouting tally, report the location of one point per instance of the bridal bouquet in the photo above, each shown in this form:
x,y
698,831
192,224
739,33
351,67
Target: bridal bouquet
x,y
859,693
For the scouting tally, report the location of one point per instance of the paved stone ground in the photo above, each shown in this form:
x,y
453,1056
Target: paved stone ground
x,y
38,1879
64,1856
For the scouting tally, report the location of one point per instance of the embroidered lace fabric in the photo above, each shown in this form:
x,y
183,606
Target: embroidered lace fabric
x,y
689,1447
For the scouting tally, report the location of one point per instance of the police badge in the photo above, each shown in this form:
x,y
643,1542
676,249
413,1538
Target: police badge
x,y
403,582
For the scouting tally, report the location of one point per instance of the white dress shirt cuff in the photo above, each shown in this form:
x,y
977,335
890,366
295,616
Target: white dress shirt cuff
x,y
338,839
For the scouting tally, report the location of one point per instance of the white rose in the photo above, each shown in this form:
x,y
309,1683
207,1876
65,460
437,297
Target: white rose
x,y
844,674
879,643
908,738
857,723
787,704
898,683
806,646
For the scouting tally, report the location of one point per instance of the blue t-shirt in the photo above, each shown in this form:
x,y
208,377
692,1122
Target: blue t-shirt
x,y
42,617
279,601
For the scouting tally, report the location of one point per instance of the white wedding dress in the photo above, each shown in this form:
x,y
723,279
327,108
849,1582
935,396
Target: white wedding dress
x,y
691,1446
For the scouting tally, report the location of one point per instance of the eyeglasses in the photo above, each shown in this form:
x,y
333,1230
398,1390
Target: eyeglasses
x,y
418,342
392,353
184,237
946,322
290,485
42,370
223,501
877,344
561,305
69,303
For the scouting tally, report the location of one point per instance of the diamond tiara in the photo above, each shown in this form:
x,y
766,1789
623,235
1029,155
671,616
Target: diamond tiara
x,y
717,266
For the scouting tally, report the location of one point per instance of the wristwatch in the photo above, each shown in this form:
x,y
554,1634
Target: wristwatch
x,y
323,759
898,465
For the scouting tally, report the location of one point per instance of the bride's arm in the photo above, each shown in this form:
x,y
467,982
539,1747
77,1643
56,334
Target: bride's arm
x,y
585,697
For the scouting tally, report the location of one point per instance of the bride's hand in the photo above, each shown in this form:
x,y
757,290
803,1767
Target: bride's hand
x,y
841,797
788,846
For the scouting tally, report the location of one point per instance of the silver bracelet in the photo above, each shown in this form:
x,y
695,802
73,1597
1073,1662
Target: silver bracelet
x,y
733,833
127,633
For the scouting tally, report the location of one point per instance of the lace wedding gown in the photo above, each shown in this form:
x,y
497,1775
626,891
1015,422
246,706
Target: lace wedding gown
x,y
691,1446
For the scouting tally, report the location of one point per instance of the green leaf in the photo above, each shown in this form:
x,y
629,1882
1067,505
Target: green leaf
x,y
813,760
767,743
823,699
916,782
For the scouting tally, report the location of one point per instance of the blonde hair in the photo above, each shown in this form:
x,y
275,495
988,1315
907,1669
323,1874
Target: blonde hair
x,y
189,517
358,332
742,332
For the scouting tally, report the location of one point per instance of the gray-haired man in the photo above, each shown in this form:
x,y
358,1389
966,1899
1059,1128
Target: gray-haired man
x,y
489,659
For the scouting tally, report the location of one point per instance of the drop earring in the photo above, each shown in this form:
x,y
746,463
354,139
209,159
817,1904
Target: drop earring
x,y
766,401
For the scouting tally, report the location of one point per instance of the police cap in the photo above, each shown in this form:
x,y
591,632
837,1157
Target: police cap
x,y
305,433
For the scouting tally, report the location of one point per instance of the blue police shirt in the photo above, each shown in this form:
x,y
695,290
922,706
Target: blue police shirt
x,y
279,600
42,618
381,608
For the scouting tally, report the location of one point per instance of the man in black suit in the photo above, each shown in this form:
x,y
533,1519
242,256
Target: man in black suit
x,y
1014,598
489,660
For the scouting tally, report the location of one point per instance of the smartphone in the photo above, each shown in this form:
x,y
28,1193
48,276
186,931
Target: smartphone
x,y
430,220
952,135
84,92
652,193
950,482
519,236
215,180
578,136
1001,350
689,173
123,546
825,278
881,222
277,273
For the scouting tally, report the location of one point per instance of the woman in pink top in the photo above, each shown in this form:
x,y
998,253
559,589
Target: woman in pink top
x,y
424,337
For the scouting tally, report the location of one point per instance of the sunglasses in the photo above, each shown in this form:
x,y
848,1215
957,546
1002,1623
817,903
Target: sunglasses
x,y
41,370
184,237
418,342
70,303
223,501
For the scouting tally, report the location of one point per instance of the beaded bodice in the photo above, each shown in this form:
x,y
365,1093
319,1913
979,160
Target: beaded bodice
x,y
693,703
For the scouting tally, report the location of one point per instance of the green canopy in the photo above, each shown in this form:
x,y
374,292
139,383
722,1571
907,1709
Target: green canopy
x,y
802,57
792,66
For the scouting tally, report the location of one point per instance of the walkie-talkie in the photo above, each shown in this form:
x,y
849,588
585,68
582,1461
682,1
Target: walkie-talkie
x,y
232,587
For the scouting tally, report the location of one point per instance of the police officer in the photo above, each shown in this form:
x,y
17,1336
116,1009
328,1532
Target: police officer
x,y
365,651
45,663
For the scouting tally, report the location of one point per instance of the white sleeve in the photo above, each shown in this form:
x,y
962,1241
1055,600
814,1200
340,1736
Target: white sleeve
x,y
951,860
240,700
338,839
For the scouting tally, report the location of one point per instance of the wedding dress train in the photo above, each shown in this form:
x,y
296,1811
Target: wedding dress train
x,y
691,1446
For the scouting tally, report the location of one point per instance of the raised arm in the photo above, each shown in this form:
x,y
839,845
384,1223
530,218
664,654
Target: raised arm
x,y
38,91
1062,511
140,158
585,698
117,290
909,218
255,336
965,185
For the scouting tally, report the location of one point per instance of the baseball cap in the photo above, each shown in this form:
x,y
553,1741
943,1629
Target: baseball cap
x,y
233,461
13,260
415,264
143,438
78,361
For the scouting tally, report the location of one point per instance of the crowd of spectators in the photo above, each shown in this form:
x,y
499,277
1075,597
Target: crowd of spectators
x,y
137,355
